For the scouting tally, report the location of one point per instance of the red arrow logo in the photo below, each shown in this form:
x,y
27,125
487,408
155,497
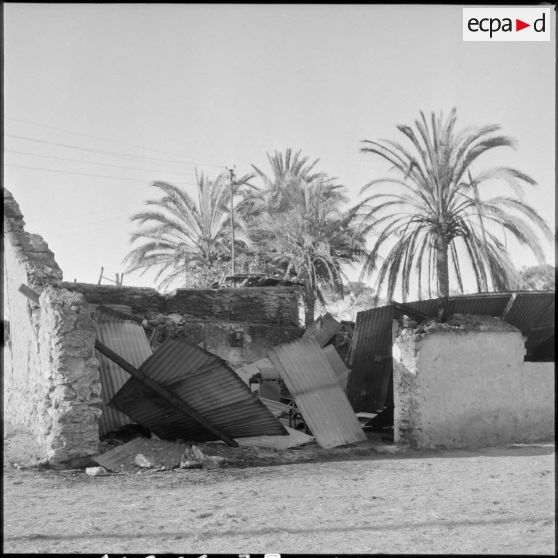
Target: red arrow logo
x,y
519,25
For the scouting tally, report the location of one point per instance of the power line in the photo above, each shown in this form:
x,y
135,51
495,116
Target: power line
x,y
98,138
95,163
112,153
86,174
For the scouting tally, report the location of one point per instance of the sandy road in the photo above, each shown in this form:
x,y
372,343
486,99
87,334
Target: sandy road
x,y
498,500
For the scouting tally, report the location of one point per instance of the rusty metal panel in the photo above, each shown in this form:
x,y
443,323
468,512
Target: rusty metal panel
x,y
128,339
207,384
337,365
315,388
323,329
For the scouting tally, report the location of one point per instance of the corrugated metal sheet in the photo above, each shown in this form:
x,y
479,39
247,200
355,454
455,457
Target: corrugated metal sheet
x,y
371,361
207,384
532,310
337,365
159,452
315,388
128,339
323,329
369,385
294,439
276,408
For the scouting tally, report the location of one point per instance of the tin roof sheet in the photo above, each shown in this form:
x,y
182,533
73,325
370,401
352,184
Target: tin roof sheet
x,y
207,384
323,329
128,339
313,384
337,365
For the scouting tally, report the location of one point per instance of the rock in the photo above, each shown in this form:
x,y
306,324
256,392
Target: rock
x,y
141,461
96,471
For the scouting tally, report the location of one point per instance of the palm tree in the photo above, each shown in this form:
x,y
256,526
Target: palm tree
x,y
297,223
187,241
436,213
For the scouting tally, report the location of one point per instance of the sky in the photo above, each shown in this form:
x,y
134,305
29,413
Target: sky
x,y
100,100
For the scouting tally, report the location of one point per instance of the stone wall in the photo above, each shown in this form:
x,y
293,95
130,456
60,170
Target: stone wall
x,y
466,385
254,305
51,379
239,343
141,300
70,400
261,317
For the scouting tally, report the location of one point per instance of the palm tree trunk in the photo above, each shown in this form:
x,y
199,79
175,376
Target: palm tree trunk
x,y
442,266
309,299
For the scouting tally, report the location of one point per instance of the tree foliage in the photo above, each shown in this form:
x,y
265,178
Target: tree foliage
x,y
433,214
186,239
299,227
538,278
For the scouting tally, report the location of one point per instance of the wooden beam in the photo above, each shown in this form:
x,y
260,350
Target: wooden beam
x,y
410,311
176,402
29,293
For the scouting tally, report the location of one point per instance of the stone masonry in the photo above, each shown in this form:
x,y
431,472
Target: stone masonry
x,y
71,384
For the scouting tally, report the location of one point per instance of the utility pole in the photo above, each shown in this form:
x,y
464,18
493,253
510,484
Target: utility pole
x,y
231,184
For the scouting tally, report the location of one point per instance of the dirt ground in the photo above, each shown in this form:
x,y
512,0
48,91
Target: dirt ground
x,y
496,500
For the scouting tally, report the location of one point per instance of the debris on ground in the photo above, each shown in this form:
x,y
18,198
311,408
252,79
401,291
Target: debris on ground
x,y
141,461
96,471
295,438
158,453
193,458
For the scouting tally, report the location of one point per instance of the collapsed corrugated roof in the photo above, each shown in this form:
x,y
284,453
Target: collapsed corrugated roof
x,y
207,384
127,338
311,381
323,329
371,358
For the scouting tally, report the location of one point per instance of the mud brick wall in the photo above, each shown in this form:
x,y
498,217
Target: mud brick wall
x,y
466,386
140,300
254,305
49,346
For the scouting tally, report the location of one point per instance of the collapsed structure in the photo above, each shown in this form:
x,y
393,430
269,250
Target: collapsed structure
x,y
81,361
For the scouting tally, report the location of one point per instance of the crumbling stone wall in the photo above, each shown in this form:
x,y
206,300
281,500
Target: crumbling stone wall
x,y
464,384
141,300
71,387
254,305
51,378
263,316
